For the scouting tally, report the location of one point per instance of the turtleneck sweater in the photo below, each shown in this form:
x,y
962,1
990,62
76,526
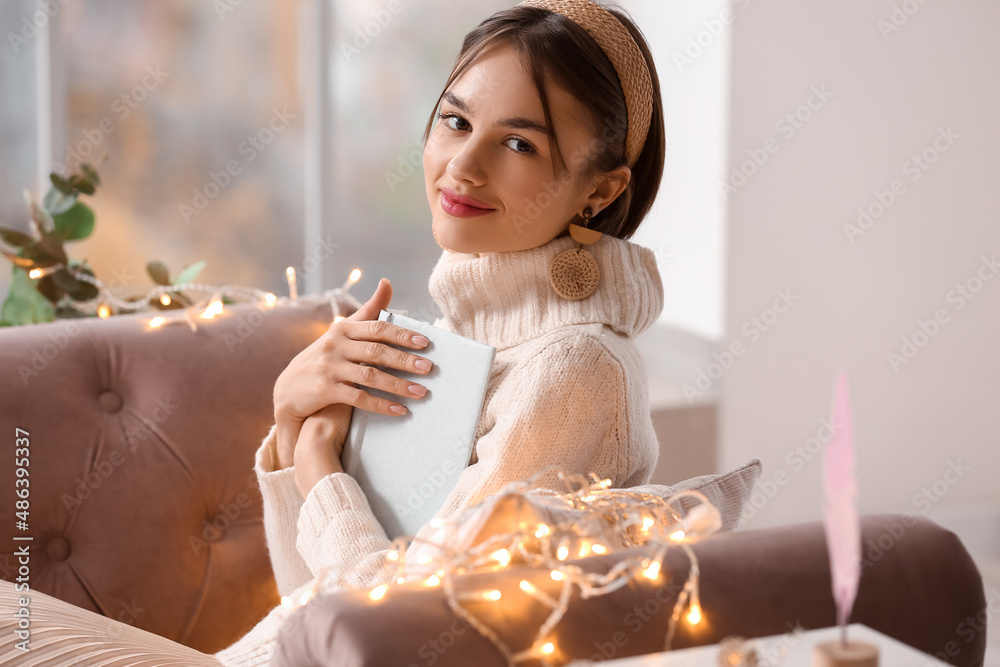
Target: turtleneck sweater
x,y
568,387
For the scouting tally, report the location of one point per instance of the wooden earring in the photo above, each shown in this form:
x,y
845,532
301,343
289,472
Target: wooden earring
x,y
574,273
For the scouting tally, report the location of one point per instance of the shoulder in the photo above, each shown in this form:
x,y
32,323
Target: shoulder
x,y
587,352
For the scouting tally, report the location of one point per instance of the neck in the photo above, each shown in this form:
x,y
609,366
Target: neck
x,y
504,299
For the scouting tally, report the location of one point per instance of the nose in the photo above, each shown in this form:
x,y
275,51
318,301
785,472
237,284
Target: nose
x,y
468,164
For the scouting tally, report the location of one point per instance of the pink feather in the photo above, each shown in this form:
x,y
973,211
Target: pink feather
x,y
840,513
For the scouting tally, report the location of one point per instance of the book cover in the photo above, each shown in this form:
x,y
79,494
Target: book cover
x,y
408,465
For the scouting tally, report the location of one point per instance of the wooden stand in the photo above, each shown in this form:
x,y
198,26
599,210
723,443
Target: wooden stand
x,y
854,654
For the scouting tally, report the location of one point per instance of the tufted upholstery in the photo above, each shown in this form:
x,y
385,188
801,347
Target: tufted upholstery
x,y
143,502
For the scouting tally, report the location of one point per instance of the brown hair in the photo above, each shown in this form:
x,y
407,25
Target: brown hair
x,y
550,43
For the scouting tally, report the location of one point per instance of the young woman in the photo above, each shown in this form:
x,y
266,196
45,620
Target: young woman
x,y
551,118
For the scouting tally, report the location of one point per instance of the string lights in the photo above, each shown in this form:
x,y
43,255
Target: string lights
x,y
206,309
588,519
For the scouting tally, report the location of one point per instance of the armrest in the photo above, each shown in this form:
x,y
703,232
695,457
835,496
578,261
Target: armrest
x,y
919,585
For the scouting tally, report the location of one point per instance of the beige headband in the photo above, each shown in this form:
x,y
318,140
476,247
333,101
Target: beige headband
x,y
630,65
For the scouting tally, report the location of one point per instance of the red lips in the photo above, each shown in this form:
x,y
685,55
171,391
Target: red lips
x,y
462,206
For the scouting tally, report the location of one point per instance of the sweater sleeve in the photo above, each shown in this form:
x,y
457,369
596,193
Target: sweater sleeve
x,y
282,503
565,407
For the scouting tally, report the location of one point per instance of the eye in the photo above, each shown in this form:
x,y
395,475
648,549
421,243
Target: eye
x,y
519,145
449,117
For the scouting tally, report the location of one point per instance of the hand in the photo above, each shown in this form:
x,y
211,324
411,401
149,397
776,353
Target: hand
x,y
329,371
320,445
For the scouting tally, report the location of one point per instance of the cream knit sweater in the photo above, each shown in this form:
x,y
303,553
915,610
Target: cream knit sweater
x,y
568,387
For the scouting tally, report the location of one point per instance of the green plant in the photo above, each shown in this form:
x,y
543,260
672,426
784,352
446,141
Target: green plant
x,y
46,283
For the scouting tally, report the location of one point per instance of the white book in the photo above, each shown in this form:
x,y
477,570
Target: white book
x,y
408,465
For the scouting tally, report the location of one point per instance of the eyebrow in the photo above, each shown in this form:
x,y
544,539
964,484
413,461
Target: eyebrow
x,y
518,122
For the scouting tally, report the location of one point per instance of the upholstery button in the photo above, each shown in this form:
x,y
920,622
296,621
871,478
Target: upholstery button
x,y
110,401
57,549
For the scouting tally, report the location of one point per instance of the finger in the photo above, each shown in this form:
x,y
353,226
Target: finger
x,y
378,301
370,376
348,394
379,354
385,332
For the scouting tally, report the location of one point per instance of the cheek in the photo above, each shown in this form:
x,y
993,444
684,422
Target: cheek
x,y
435,158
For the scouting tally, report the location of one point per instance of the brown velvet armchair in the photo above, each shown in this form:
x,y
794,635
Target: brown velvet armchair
x,y
144,507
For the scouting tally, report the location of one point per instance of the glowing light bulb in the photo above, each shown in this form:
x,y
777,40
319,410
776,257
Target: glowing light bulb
x,y
103,311
355,276
527,587
604,483
677,535
401,580
502,557
378,592
647,523
423,559
598,549
562,553
270,299
652,571
293,287
694,614
338,318
492,595
557,575
392,556
437,522
214,308
157,322
432,580
36,273
286,602
548,648
165,299
542,531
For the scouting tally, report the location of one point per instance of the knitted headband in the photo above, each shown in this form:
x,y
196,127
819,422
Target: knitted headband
x,y
630,65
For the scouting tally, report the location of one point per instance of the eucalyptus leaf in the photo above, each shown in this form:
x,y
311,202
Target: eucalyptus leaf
x,y
159,273
64,279
67,312
189,273
15,238
61,183
49,287
47,250
90,173
56,201
24,305
76,223
84,291
17,260
82,185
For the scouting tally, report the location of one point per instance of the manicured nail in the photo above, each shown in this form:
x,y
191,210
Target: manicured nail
x,y
420,341
398,409
423,364
417,390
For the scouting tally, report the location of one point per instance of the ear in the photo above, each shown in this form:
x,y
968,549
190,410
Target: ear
x,y
607,187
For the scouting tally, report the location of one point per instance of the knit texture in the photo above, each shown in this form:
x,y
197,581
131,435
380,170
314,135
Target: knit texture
x,y
568,388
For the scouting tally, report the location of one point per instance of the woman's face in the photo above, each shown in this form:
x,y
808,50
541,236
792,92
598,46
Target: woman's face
x,y
488,169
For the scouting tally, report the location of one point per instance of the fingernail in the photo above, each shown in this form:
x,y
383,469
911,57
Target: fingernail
x,y
398,409
420,340
417,390
423,364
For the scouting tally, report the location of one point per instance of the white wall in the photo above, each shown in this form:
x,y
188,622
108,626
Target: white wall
x,y
686,227
855,301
